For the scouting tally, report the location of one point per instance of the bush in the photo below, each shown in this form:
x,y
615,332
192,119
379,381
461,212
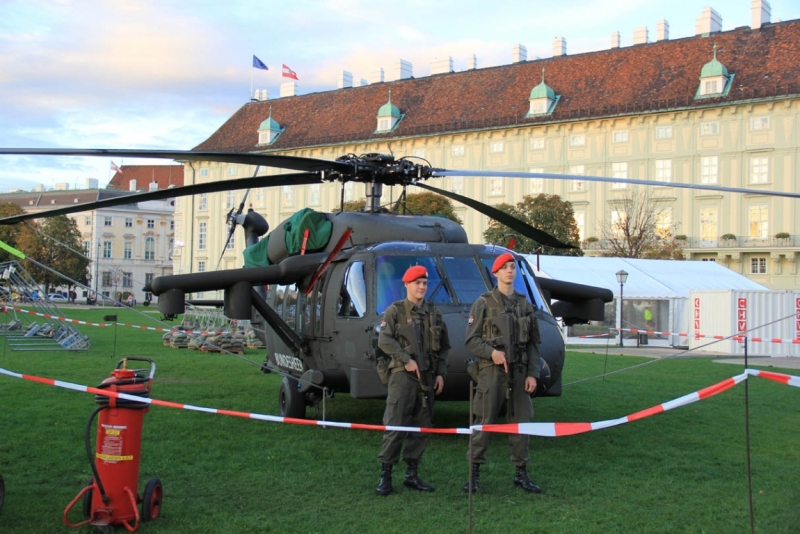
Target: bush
x,y
729,236
782,235
592,239
681,237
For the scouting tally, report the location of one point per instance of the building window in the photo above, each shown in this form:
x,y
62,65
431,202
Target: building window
x,y
107,221
537,143
708,224
495,187
618,222
759,123
230,200
577,185
580,221
202,230
457,151
232,170
201,266
663,132
457,184
537,184
150,248
710,87
170,247
259,194
419,153
106,249
288,195
620,137
87,221
151,223
204,173
759,222
87,248
709,259
127,279
496,147
664,223
709,169
106,278
128,222
758,265
709,128
231,244
314,194
172,225
577,140
759,170
619,170
663,170
148,278
202,204
127,252
348,192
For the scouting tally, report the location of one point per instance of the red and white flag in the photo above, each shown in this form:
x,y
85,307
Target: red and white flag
x,y
289,73
115,168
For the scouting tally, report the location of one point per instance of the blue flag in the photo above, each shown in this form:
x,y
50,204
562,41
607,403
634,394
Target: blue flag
x,y
258,64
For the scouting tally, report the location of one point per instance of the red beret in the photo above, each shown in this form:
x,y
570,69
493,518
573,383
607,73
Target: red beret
x,y
417,271
501,260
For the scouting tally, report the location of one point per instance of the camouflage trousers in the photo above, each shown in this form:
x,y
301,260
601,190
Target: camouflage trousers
x,y
405,406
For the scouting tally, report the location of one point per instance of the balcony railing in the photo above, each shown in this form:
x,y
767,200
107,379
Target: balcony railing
x,y
793,241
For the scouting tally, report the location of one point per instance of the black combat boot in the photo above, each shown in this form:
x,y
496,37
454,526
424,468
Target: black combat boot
x,y
411,479
473,479
522,480
385,485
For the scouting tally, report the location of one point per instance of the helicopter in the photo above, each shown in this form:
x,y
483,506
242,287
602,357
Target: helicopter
x,y
318,309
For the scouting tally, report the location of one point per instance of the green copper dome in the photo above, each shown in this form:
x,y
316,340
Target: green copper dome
x,y
713,67
389,109
543,91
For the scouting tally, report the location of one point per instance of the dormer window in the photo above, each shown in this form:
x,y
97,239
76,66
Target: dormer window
x,y
543,100
714,79
388,116
268,132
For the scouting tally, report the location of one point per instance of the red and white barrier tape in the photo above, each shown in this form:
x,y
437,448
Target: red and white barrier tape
x,y
531,429
708,336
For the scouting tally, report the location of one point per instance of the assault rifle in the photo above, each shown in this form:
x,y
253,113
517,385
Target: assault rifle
x,y
412,333
506,324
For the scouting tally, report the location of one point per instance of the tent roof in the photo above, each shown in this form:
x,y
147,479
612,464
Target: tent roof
x,y
647,279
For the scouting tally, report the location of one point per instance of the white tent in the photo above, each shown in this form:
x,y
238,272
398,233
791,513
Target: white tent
x,y
662,284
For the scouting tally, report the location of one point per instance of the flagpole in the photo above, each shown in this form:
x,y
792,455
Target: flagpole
x,y
251,85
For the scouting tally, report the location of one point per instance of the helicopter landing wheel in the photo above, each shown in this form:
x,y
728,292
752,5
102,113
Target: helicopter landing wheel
x,y
291,403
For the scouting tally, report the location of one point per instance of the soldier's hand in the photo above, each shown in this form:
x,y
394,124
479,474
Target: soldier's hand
x,y
412,367
530,384
438,384
499,358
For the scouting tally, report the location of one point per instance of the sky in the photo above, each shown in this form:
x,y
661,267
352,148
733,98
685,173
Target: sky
x,y
165,74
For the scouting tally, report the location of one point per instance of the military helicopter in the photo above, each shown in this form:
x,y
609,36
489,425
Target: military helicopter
x,y
330,276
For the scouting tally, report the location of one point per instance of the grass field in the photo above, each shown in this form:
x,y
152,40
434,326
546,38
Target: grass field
x,y
682,471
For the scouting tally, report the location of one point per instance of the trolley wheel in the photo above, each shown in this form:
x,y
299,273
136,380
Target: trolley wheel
x,y
87,500
2,492
291,403
151,502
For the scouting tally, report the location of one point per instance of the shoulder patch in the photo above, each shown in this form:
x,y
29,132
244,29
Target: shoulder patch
x,y
383,324
471,320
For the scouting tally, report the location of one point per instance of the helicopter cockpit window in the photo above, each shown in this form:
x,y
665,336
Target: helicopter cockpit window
x,y
465,277
291,305
280,292
519,283
353,293
390,271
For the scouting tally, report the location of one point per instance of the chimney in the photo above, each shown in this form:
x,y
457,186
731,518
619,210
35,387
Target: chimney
x,y
376,76
559,47
640,35
662,30
261,95
709,21
402,70
288,89
472,62
760,12
442,66
519,54
362,82
615,40
345,79
132,185
153,186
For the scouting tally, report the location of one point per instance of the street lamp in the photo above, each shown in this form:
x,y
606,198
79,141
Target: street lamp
x,y
622,276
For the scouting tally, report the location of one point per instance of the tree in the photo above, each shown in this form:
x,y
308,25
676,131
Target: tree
x,y
548,213
418,204
640,227
71,264
9,234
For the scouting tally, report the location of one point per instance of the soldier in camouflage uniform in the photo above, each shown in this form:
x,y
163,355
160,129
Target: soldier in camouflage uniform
x,y
505,374
411,326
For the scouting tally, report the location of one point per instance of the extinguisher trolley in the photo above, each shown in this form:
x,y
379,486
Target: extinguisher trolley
x,y
111,497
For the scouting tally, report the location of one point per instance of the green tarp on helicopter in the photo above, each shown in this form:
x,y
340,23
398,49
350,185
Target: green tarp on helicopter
x,y
287,239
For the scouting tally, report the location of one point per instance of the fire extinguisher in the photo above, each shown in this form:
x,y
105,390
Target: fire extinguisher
x,y
111,497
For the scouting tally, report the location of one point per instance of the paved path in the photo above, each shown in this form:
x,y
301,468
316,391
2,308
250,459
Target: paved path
x,y
719,357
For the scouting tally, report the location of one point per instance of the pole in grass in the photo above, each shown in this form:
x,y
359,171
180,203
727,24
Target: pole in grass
x,y
469,460
113,318
747,439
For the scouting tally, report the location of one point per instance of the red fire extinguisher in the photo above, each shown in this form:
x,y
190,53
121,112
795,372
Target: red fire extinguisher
x,y
111,497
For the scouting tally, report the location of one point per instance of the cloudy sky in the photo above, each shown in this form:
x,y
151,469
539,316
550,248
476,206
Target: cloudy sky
x,y
165,74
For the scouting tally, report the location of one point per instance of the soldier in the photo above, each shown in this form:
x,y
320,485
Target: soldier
x,y
414,336
503,334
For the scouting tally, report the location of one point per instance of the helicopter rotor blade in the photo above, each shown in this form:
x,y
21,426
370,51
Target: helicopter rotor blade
x,y
277,180
438,173
523,228
266,160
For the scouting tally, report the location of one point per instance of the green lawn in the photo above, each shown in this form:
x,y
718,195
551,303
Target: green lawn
x,y
683,471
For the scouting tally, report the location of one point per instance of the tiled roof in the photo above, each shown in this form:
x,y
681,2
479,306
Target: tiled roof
x,y
164,175
651,77
47,200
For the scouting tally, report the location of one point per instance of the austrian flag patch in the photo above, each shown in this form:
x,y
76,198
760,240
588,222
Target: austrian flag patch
x,y
471,320
383,325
